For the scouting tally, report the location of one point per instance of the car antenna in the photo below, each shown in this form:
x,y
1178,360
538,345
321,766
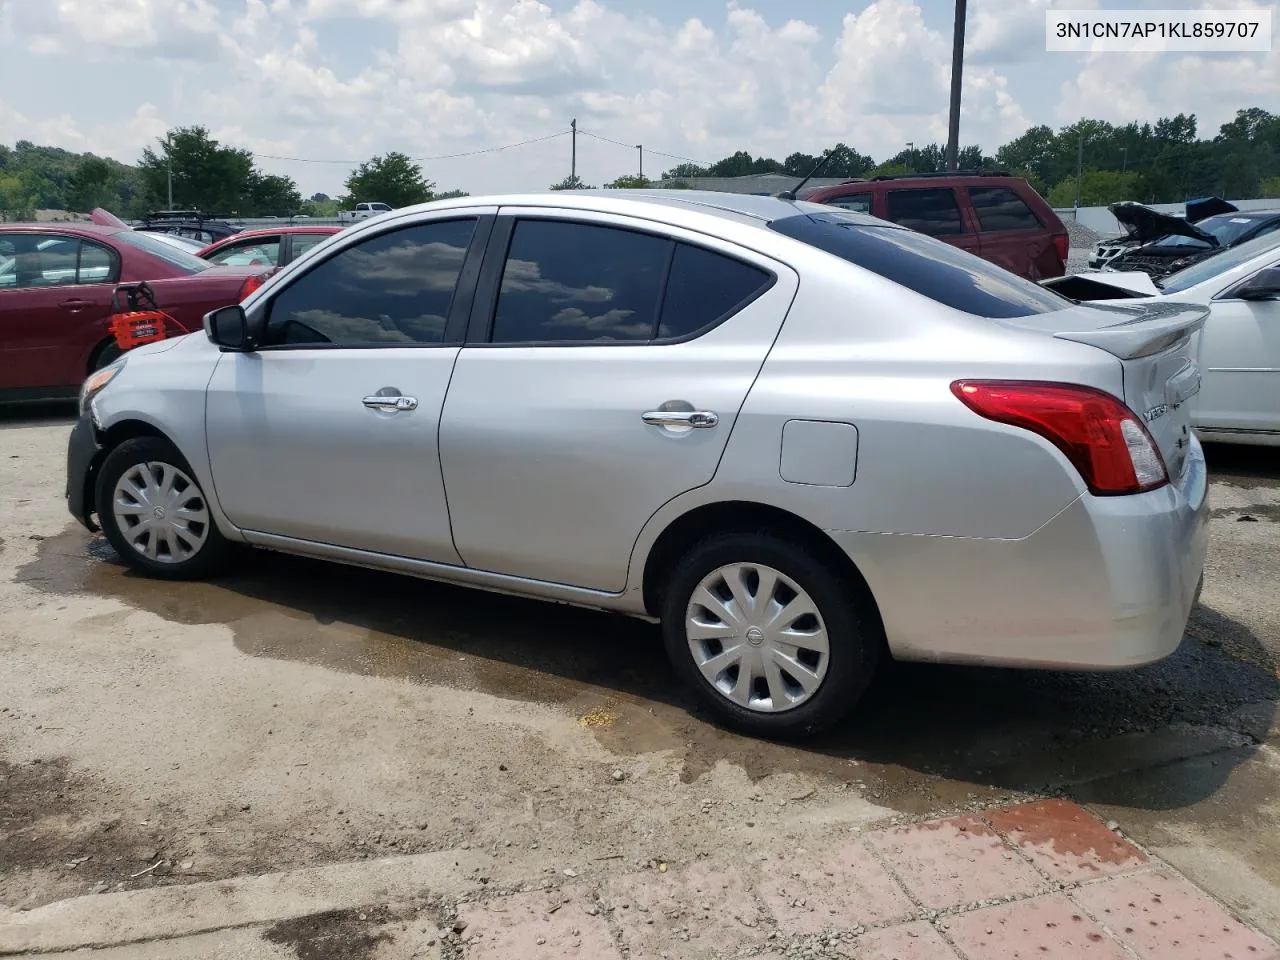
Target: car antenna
x,y
791,194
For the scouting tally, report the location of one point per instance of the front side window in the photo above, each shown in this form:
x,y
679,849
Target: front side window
x,y
858,203
933,211
257,252
1000,208
394,289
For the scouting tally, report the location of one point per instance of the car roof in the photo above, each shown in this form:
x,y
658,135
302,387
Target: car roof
x,y
740,208
59,226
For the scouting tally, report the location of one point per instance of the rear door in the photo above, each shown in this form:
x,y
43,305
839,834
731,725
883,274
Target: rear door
x,y
1010,234
55,298
934,211
604,370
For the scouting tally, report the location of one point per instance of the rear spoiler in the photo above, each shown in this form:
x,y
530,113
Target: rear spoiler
x,y
1149,329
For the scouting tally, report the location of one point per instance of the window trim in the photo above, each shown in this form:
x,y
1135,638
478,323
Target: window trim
x,y
484,310
977,213
965,230
459,308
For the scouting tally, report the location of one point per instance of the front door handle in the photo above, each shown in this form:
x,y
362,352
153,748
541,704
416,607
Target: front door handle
x,y
680,418
391,403
75,303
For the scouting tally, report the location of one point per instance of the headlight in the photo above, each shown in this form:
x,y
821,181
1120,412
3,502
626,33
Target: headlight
x,y
96,381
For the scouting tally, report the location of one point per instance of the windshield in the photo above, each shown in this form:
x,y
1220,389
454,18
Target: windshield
x,y
1220,263
163,251
934,269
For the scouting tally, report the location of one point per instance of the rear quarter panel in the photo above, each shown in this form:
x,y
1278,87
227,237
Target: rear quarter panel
x,y
187,299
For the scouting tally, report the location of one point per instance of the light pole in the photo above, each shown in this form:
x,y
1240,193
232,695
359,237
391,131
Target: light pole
x,y
911,154
957,70
168,156
640,147
573,156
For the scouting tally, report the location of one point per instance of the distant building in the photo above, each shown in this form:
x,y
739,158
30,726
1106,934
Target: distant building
x,y
763,184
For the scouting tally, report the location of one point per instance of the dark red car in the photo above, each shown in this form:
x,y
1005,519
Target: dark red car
x,y
269,247
56,282
992,215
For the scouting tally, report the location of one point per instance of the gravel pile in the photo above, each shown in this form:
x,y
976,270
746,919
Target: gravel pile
x,y
1081,236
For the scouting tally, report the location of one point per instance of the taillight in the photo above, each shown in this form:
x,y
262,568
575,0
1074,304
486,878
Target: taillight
x,y
250,284
1102,438
1062,245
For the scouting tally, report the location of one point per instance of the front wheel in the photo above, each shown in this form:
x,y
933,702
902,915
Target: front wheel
x,y
773,640
154,513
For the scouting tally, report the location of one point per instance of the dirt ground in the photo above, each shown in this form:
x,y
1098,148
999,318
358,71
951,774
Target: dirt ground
x,y
297,714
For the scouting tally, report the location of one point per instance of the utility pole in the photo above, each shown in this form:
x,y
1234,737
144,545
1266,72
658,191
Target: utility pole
x,y
573,157
640,147
957,71
168,156
1079,168
911,154
1124,167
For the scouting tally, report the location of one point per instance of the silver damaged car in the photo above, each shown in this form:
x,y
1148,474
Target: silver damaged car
x,y
801,439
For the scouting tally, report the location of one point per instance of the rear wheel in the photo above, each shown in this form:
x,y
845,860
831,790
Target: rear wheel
x,y
774,641
154,513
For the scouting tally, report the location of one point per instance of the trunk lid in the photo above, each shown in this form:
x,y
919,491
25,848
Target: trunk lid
x,y
1155,345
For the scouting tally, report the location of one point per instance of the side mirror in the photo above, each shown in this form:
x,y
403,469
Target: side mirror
x,y
1263,285
228,327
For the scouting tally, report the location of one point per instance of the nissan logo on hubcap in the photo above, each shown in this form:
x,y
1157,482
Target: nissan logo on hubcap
x,y
755,636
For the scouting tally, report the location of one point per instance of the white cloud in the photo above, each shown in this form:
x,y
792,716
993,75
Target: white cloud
x,y
345,79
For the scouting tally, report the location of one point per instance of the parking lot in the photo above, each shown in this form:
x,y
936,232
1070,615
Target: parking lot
x,y
430,745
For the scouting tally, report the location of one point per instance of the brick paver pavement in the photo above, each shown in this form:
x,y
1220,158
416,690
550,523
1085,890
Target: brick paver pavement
x,y
1040,880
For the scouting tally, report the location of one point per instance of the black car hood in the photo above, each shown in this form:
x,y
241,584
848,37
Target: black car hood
x,y
1203,207
1146,225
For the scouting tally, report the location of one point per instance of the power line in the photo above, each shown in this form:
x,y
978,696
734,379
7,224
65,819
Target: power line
x,y
632,146
444,156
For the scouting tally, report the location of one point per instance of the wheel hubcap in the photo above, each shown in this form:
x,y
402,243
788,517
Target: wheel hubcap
x,y
161,512
757,637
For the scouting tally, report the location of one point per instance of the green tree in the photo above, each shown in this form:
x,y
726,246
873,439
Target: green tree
x,y
206,175
685,171
392,179
17,202
1269,188
572,182
1100,187
274,195
629,182
451,194
88,186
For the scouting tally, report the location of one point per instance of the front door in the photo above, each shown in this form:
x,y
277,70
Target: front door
x,y
605,369
328,433
1240,368
55,300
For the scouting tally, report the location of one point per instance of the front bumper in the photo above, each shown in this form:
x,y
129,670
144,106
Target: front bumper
x,y
1108,583
83,458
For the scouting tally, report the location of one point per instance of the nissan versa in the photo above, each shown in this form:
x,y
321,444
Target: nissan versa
x,y
801,438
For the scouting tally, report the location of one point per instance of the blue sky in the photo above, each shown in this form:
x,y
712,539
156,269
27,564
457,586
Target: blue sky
x,y
345,79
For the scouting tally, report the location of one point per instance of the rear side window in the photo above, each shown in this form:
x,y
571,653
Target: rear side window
x,y
582,283
934,269
858,203
1000,208
302,242
933,211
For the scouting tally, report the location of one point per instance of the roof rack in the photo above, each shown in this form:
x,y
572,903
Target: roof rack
x,y
180,215
940,173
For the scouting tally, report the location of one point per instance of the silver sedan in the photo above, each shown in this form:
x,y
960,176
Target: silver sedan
x,y
800,438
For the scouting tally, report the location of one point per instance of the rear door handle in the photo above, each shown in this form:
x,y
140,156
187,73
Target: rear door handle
x,y
75,303
391,403
680,418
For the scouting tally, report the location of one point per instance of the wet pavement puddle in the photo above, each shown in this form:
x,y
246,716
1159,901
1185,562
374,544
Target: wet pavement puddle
x,y
927,737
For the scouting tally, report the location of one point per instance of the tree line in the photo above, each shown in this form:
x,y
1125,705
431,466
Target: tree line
x,y
203,175
1162,162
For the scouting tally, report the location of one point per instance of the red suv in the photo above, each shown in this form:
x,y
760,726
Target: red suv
x,y
993,215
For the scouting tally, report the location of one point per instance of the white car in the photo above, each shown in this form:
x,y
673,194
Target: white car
x,y
1238,350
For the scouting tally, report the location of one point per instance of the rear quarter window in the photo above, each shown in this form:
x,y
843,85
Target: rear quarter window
x,y
1000,209
931,268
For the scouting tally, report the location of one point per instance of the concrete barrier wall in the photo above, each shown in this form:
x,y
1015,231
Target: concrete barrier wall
x,y
1101,222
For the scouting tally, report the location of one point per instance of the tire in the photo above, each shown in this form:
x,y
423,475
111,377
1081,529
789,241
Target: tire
x,y
854,637
109,352
186,546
